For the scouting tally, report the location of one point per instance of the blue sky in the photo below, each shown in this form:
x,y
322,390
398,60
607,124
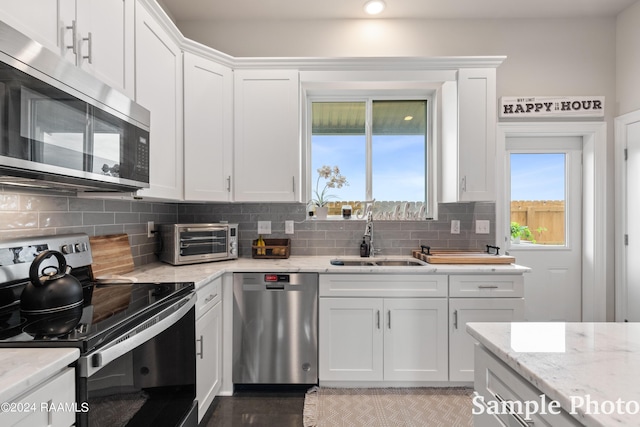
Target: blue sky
x,y
398,163
537,176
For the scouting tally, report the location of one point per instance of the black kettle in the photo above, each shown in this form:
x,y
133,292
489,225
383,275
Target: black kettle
x,y
52,302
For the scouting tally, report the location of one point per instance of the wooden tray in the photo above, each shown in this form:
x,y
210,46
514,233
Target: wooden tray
x,y
444,256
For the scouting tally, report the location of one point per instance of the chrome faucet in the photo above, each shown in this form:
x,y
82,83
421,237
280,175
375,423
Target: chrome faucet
x,y
368,232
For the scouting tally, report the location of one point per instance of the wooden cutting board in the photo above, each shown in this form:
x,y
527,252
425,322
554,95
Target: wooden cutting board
x,y
111,255
462,257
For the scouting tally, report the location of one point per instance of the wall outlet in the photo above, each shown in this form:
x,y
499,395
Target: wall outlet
x,y
288,227
482,226
264,227
150,227
455,226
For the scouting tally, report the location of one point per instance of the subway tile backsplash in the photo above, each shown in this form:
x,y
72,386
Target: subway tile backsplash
x,y
26,213
33,213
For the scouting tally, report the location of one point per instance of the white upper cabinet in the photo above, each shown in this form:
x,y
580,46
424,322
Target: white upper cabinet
x,y
266,141
96,35
208,129
106,40
159,89
468,147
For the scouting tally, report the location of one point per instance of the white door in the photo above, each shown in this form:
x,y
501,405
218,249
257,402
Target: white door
x,y
544,194
631,309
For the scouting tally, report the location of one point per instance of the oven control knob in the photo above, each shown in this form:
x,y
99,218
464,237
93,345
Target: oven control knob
x,y
80,247
67,249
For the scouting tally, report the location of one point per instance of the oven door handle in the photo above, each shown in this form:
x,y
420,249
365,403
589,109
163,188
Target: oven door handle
x,y
93,362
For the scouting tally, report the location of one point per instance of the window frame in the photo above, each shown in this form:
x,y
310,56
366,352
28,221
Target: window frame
x,y
368,97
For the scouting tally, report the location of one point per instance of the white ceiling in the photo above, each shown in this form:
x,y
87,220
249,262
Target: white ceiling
x,y
182,10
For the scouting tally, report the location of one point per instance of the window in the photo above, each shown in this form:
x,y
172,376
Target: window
x,y
379,145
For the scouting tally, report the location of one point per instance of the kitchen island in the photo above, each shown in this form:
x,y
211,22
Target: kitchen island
x,y
562,373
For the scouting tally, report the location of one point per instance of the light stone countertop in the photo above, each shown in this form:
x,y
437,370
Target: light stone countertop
x,y
24,368
596,362
205,272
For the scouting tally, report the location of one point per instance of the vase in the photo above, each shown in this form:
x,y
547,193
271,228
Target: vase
x,y
321,212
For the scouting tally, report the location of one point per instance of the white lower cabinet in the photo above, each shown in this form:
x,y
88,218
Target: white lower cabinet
x,y
497,385
55,393
364,337
208,344
383,339
465,310
488,298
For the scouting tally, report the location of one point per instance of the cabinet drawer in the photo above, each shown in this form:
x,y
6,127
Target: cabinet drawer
x,y
486,286
497,382
383,285
208,296
31,410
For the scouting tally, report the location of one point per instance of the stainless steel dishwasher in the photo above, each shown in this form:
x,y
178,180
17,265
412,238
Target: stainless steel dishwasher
x,y
275,328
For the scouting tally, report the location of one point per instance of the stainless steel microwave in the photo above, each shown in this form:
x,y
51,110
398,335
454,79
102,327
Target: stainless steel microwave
x,y
62,128
193,243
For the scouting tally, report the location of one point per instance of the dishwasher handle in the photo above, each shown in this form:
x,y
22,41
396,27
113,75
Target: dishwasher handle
x,y
274,286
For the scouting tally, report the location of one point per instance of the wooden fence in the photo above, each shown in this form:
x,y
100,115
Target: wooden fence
x,y
545,219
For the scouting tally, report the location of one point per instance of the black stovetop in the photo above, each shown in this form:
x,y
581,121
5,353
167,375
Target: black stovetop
x,y
109,309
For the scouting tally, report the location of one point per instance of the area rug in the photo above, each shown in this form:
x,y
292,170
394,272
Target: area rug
x,y
388,407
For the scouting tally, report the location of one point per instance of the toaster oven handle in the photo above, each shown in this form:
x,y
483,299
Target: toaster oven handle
x,y
94,361
188,229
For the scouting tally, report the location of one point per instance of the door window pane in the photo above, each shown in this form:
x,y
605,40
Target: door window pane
x,y
538,198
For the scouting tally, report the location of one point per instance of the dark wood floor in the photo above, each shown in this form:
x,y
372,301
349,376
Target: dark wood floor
x,y
261,406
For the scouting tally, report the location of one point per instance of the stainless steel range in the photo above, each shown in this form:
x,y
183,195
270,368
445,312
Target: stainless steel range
x,y
137,340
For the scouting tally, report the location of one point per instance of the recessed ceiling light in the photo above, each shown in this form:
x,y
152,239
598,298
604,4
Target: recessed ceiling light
x,y
407,118
374,7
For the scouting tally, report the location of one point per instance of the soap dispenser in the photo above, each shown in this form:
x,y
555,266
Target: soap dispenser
x,y
364,248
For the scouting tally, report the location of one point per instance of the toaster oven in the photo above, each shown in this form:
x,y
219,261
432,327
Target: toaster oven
x,y
194,243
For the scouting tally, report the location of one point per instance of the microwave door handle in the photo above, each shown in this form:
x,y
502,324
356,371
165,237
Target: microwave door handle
x,y
93,362
203,229
188,245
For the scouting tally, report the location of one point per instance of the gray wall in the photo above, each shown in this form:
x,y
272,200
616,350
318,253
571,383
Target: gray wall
x,y
33,213
343,237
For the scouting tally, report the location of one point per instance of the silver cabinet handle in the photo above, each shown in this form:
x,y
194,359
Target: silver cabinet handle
x,y
521,421
209,298
389,319
487,287
463,184
229,184
293,184
201,352
378,314
89,55
455,319
74,33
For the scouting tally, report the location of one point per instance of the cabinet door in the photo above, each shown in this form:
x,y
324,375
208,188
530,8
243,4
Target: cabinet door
x,y
266,139
477,134
56,392
464,310
208,358
159,89
415,339
106,41
208,133
41,21
350,339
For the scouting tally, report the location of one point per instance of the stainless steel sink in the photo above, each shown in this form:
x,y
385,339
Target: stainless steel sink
x,y
379,263
399,263
351,262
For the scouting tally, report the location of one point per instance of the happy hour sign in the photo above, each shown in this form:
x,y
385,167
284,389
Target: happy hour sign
x,y
551,106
